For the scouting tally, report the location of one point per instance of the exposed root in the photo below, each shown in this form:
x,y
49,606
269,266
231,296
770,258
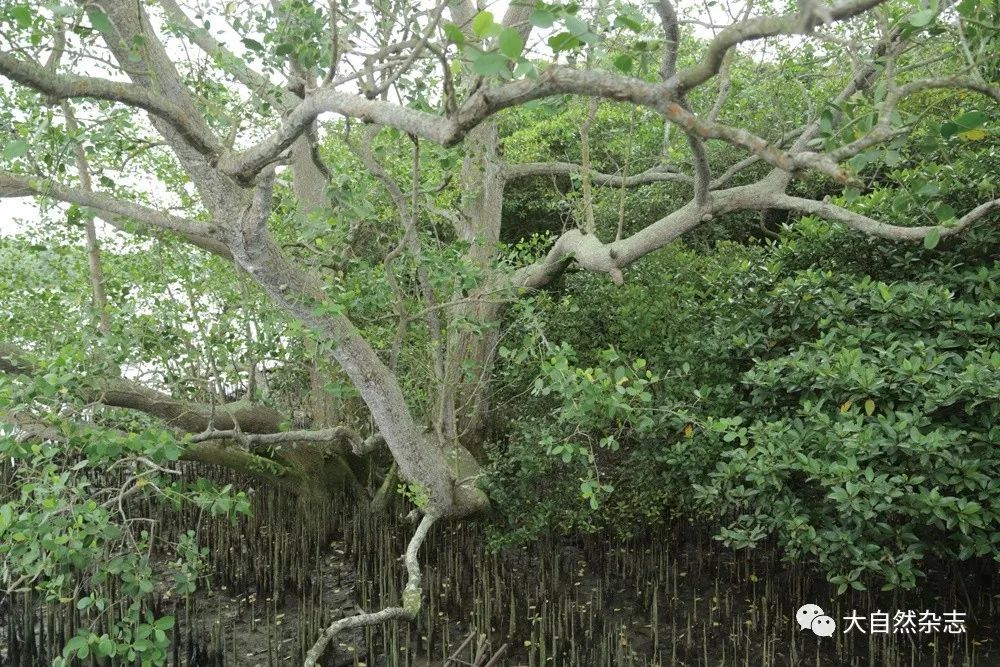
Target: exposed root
x,y
411,599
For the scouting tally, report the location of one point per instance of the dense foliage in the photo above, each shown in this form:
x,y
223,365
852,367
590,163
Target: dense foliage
x,y
832,393
482,300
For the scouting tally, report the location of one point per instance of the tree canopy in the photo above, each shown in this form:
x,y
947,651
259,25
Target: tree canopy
x,y
371,247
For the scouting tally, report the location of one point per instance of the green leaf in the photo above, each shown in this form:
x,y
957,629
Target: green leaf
x,y
252,44
624,63
576,26
944,213
525,69
967,7
73,645
922,18
630,22
510,43
563,41
22,14
98,19
106,647
15,149
971,120
454,34
489,64
482,23
6,517
542,18
164,623
869,407
932,238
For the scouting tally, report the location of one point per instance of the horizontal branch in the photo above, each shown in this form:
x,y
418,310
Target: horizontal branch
x,y
447,131
32,429
587,252
65,86
872,227
187,416
234,458
334,435
115,211
659,174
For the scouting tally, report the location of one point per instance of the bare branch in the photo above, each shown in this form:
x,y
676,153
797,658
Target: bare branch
x,y
658,174
555,80
93,246
671,38
231,63
753,29
790,162
589,223
334,435
111,209
873,227
883,130
180,414
415,52
234,458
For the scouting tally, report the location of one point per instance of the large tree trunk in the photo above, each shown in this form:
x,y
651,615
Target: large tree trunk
x,y
473,332
442,474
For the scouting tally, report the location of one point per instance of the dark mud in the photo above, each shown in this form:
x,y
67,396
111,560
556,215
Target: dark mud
x,y
669,596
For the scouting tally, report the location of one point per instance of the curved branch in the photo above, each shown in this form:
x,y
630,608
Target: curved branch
x,y
789,162
751,160
872,227
447,131
758,28
883,129
411,599
66,86
587,252
671,38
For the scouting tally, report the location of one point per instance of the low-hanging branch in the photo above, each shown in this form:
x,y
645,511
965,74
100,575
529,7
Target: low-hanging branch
x,y
187,416
333,435
115,211
657,174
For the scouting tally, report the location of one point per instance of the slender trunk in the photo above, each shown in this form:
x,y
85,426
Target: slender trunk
x,y
93,247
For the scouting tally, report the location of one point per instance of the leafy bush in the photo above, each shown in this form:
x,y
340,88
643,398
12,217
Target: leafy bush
x,y
788,394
